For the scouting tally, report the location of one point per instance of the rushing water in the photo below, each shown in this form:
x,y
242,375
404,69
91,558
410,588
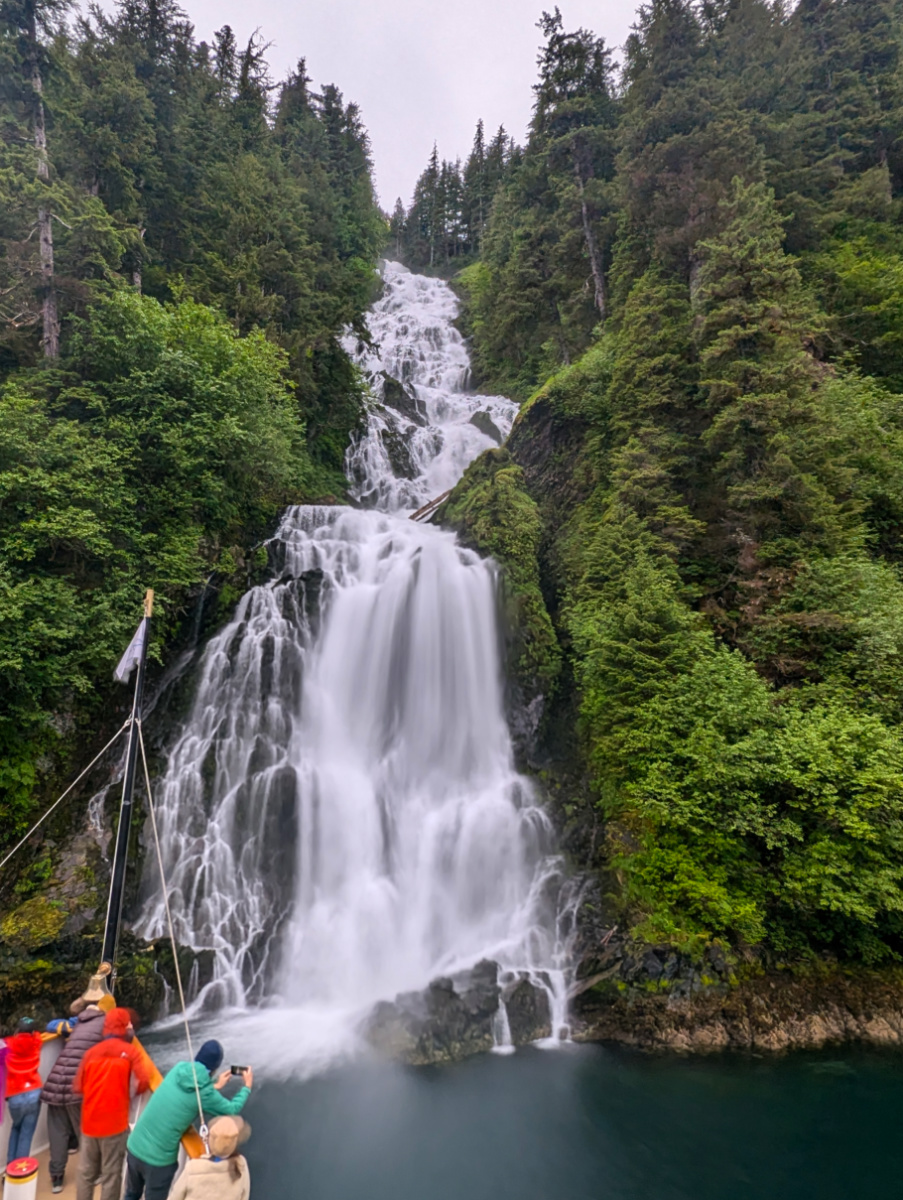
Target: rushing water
x,y
341,816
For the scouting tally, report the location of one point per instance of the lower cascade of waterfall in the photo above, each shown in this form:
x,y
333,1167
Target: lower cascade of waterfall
x,y
341,817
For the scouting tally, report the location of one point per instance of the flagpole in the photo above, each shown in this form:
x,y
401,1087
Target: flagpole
x,y
120,856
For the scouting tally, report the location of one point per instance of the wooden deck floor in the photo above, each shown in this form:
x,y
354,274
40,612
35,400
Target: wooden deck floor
x,y
68,1192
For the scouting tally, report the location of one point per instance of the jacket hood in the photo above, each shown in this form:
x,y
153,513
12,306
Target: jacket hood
x,y
184,1075
116,1023
206,1166
22,1043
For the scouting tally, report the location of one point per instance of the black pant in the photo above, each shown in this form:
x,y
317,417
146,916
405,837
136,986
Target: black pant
x,y
141,1179
63,1120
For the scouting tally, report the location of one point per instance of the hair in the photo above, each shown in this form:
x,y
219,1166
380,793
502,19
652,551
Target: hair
x,y
78,1006
234,1166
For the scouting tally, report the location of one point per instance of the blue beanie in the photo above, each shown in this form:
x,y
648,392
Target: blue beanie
x,y
210,1056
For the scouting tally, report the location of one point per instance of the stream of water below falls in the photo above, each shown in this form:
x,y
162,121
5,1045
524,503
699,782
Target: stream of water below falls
x,y
583,1123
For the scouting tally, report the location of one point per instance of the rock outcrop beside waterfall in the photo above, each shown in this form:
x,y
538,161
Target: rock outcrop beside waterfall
x,y
456,1017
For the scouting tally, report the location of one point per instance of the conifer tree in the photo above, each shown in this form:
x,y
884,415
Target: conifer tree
x,y
397,227
477,194
573,120
27,20
760,386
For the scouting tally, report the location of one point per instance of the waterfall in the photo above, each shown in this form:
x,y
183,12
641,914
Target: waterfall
x,y
341,816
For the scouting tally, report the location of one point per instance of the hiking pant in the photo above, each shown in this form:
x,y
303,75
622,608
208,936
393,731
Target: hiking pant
x,y
23,1110
63,1121
144,1180
101,1162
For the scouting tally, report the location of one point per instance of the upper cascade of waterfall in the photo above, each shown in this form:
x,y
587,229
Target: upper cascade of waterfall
x,y
424,427
341,817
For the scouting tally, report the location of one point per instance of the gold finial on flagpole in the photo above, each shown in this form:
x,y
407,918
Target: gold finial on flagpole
x,y
149,603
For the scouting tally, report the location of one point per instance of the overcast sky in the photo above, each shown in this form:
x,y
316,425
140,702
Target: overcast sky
x,y
421,70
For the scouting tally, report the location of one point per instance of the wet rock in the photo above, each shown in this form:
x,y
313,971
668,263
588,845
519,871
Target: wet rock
x,y
450,1020
524,720
529,1015
43,982
484,422
396,446
656,998
403,400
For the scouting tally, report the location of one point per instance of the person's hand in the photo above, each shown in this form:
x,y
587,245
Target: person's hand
x,y
248,1077
223,1080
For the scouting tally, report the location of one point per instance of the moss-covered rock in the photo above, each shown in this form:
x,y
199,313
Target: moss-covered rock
x,y
43,981
34,923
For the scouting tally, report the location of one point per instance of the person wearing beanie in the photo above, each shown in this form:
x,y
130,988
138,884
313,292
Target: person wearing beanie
x,y
23,1086
153,1148
223,1173
104,1081
64,1107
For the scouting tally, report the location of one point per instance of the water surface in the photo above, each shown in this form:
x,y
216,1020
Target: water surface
x,y
586,1123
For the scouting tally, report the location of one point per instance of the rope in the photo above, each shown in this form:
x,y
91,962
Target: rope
x,y
203,1131
71,786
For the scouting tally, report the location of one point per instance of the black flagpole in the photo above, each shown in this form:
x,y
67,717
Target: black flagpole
x,y
117,880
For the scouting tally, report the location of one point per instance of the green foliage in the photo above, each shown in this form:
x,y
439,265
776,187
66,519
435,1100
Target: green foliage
x,y
760,386
731,814
714,456
166,437
33,924
175,423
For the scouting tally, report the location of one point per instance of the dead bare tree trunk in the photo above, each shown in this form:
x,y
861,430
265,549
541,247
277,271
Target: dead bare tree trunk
x,y
136,270
50,340
592,246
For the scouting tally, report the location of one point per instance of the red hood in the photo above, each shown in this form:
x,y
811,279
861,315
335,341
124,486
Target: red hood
x,y
24,1043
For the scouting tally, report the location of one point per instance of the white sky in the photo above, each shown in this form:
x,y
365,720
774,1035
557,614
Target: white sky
x,y
421,70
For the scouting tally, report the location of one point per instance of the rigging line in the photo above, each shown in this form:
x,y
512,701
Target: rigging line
x,y
203,1131
65,794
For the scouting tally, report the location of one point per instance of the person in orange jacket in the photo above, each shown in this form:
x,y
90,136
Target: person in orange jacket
x,y
23,1086
104,1080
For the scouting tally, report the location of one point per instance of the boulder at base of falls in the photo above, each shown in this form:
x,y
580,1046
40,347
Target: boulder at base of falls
x,y
487,426
529,1014
453,1017
449,1020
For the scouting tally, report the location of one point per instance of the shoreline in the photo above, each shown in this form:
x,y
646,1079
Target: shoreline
x,y
771,1013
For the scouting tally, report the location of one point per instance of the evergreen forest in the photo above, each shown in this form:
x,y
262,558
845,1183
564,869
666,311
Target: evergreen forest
x,y
690,276
182,241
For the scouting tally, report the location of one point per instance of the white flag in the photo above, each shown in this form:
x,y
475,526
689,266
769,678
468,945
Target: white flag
x,y
132,656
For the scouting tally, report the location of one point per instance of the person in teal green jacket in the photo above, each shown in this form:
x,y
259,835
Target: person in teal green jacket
x,y
153,1148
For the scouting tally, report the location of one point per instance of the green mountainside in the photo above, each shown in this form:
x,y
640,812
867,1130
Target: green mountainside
x,y
691,277
181,243
691,274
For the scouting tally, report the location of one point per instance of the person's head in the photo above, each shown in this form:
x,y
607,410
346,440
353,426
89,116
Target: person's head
x,y
210,1056
118,1023
224,1137
27,1025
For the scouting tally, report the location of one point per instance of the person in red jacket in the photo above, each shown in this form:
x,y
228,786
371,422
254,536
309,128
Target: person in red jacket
x,y
23,1086
104,1081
